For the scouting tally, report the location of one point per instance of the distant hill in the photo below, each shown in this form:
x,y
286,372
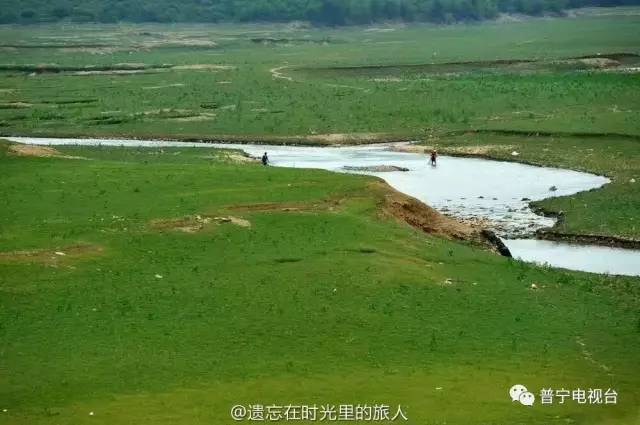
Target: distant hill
x,y
320,12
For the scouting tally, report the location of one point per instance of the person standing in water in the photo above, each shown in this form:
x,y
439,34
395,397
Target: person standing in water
x,y
265,159
434,158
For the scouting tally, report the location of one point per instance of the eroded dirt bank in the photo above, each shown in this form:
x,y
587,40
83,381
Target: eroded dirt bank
x,y
404,208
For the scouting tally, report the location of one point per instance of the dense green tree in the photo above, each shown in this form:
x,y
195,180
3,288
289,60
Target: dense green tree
x,y
320,12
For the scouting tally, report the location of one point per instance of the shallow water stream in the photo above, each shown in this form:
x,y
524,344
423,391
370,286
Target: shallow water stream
x,y
495,192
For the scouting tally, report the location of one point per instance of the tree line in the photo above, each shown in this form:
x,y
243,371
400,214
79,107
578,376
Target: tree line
x,y
319,12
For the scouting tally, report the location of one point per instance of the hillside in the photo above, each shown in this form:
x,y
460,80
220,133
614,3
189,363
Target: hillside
x,y
320,12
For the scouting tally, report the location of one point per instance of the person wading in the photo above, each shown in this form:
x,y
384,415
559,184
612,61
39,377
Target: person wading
x,y
434,158
265,159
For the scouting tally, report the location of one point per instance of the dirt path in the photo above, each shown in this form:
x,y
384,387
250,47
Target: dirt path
x,y
277,74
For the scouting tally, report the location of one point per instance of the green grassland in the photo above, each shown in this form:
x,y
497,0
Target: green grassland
x,y
325,305
245,99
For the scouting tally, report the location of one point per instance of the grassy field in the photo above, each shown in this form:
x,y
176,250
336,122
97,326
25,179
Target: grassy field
x,y
154,318
167,285
267,81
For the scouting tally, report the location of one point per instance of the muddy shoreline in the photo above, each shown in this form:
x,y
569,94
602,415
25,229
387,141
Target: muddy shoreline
x,y
577,239
312,140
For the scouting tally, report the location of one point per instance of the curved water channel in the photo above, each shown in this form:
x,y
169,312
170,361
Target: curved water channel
x,y
493,192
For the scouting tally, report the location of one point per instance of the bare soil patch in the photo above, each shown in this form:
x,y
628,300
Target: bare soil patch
x,y
115,72
39,151
326,205
166,86
195,223
93,50
51,257
33,150
387,80
194,118
342,138
178,41
236,157
460,150
15,105
590,62
236,220
377,168
203,66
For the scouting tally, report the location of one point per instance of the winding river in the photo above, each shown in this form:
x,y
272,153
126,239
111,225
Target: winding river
x,y
494,192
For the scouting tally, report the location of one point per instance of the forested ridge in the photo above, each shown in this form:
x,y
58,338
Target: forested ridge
x,y
320,12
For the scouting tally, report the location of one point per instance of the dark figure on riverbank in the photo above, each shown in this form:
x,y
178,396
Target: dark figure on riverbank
x,y
265,159
434,158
